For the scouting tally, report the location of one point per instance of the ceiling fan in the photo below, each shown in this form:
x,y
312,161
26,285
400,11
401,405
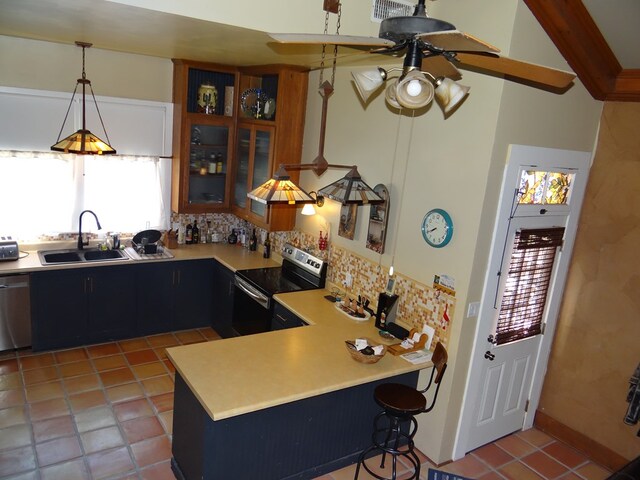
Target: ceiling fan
x,y
432,49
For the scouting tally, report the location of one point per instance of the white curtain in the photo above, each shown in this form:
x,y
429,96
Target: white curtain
x,y
43,193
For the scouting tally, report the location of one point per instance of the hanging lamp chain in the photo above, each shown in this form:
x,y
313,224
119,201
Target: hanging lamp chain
x,y
335,47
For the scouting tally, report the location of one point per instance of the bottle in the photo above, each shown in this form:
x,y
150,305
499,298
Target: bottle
x,y
209,232
181,235
212,163
204,233
188,236
219,163
195,234
253,242
267,248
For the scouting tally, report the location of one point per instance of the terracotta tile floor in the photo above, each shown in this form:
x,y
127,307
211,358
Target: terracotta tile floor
x,y
105,411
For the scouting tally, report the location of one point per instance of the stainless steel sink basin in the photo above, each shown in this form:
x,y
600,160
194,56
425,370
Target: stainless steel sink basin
x,y
56,257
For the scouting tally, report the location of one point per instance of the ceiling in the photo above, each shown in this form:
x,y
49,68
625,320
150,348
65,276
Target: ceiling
x,y
602,52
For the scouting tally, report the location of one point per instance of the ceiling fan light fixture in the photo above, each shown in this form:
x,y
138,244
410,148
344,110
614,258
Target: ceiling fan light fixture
x,y
449,94
368,81
390,95
414,90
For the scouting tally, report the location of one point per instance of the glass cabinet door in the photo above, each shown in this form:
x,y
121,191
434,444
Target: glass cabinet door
x,y
209,148
261,167
243,153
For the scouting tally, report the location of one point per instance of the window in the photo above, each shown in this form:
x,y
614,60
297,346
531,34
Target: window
x,y
545,188
43,193
527,283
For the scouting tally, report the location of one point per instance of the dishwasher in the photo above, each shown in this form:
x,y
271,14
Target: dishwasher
x,y
15,312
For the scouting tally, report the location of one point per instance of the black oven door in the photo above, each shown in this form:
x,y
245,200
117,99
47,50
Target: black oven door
x,y
251,309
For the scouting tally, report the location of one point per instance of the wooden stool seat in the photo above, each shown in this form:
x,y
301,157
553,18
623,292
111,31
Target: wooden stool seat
x,y
399,399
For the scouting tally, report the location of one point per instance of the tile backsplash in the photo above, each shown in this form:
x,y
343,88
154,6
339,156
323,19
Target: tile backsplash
x,y
419,304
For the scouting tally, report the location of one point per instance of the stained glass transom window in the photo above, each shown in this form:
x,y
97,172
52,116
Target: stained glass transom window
x,y
544,188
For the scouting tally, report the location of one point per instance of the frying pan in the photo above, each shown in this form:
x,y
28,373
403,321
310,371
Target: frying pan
x,y
152,237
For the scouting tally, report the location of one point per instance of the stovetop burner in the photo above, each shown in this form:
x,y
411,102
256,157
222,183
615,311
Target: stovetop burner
x,y
300,271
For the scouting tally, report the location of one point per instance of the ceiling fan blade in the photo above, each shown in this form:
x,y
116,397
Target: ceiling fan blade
x,y
456,41
438,66
521,70
322,39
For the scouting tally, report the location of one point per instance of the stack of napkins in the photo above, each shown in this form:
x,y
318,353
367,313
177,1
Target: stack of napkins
x,y
361,344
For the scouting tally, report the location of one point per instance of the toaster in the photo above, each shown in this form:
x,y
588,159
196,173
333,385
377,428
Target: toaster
x,y
8,248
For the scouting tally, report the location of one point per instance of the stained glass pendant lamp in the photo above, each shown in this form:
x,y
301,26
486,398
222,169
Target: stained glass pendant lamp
x,y
351,189
280,189
83,142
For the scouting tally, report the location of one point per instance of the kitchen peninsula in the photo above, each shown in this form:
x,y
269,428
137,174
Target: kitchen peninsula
x,y
279,405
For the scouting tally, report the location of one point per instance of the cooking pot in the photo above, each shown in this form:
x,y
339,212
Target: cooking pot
x,y
146,241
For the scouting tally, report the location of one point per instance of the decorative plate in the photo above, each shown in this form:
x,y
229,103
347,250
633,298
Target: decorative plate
x,y
249,101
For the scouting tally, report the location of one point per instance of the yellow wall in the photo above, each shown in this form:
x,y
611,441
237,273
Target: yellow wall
x,y
53,66
597,344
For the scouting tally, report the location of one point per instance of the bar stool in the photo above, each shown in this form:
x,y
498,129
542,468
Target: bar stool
x,y
395,427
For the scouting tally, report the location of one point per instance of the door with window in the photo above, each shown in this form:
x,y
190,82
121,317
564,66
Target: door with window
x,y
535,228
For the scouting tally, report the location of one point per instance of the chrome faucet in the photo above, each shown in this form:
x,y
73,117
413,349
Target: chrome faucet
x,y
82,243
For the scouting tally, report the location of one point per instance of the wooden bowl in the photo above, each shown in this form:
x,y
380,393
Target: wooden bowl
x,y
361,357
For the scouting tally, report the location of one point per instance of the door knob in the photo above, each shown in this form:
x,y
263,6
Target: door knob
x,y
488,355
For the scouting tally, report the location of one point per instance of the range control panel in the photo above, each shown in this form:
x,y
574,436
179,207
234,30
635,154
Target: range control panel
x,y
303,259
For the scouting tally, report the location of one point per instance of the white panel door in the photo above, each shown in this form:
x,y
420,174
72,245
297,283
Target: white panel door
x,y
504,380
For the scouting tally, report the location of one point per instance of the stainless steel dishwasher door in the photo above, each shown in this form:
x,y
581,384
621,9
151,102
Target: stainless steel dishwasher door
x,y
15,312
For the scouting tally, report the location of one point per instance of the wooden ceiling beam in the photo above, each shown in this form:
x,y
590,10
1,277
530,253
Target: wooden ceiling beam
x,y
571,28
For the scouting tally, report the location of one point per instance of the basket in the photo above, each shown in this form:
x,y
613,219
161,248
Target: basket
x,y
361,357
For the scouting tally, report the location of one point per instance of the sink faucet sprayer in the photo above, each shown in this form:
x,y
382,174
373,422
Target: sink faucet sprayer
x,y
82,243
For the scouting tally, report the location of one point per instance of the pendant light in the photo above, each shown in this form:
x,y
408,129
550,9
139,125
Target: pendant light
x,y
280,189
351,190
83,142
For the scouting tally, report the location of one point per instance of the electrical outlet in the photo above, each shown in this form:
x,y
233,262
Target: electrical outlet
x,y
348,280
473,309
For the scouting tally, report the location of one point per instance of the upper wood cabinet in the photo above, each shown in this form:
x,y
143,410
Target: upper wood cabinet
x,y
203,136
270,131
263,128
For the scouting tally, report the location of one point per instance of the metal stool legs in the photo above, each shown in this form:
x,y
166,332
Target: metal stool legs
x,y
396,439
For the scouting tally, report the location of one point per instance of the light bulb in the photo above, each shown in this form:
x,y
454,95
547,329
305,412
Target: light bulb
x,y
414,88
391,271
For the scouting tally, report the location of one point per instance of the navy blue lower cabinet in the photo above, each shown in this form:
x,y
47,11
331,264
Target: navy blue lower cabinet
x,y
298,440
79,306
284,318
223,292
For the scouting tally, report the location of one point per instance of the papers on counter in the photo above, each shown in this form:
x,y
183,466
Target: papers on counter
x,y
417,357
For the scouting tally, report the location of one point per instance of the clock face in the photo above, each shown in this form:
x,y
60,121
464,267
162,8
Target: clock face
x,y
437,228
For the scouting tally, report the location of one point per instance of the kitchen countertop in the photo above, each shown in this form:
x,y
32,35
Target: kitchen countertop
x,y
244,374
231,256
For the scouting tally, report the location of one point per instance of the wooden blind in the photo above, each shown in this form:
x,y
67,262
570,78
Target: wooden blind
x,y
527,284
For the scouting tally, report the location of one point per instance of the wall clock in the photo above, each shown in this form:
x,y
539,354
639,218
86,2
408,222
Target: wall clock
x,y
437,228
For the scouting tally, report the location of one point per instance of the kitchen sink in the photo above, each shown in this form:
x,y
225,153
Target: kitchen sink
x,y
56,257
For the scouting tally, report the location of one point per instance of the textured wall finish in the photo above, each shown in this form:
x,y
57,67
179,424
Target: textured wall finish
x,y
597,344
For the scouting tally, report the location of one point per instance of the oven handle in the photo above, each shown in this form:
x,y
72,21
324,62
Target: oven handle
x,y
252,292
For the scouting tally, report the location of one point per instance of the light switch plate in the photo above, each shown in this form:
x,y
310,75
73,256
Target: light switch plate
x,y
473,309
